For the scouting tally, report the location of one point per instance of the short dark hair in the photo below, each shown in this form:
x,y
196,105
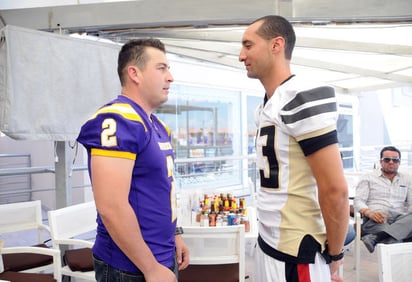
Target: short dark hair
x,y
390,148
274,26
133,52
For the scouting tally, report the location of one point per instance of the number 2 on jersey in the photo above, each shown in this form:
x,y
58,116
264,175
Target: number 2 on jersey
x,y
108,136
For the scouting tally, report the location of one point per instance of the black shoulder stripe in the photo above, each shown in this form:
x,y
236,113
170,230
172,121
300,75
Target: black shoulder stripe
x,y
311,95
309,112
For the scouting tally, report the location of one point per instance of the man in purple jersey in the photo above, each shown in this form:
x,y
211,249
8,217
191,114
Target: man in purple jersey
x,y
130,161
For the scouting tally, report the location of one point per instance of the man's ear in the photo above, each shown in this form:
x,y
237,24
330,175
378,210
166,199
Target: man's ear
x,y
134,73
278,44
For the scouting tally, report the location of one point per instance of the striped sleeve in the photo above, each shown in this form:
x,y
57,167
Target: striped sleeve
x,y
310,113
115,130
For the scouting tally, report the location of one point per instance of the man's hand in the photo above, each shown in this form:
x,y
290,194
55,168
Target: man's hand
x,y
160,273
377,216
334,268
182,252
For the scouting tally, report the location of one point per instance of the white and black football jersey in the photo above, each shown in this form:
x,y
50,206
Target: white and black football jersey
x,y
297,120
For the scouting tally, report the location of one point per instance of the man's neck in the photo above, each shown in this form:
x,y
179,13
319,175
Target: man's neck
x,y
271,87
390,175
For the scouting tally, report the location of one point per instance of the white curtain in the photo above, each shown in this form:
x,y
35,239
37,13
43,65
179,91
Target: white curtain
x,y
51,83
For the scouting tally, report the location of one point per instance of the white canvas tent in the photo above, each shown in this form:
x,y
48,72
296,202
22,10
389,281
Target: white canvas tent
x,y
52,83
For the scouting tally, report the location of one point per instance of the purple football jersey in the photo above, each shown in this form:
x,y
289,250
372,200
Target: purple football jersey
x,y
122,129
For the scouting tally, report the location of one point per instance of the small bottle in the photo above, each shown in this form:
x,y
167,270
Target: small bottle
x,y
207,201
226,205
212,207
194,217
198,217
219,220
229,197
212,219
233,206
242,203
216,205
244,219
221,205
204,220
225,221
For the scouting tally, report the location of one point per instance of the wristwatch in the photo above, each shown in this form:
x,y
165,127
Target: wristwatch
x,y
179,231
337,257
330,258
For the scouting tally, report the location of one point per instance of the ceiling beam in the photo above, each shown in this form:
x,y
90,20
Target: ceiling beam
x,y
143,13
234,35
304,61
167,13
232,61
221,52
355,46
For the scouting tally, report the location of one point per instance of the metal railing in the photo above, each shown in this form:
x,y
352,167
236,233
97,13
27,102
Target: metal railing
x,y
15,187
237,173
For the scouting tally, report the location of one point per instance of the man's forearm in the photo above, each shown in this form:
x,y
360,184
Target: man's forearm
x,y
336,217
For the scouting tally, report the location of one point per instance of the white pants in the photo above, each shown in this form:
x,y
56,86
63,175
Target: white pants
x,y
268,269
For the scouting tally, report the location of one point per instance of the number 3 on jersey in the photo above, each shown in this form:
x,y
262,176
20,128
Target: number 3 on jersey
x,y
268,166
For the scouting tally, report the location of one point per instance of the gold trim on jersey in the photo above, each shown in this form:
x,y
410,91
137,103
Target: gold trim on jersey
x,y
165,146
316,133
116,154
165,126
125,110
299,203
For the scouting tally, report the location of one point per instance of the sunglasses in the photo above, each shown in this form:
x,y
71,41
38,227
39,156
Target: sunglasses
x,y
395,160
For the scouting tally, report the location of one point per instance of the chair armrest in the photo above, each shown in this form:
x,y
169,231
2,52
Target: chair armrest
x,y
34,250
38,250
358,223
45,227
79,242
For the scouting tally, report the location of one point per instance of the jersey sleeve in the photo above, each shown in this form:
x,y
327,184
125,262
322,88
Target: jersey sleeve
x,y
310,116
115,130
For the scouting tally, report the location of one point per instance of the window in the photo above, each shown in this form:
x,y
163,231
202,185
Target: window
x,y
348,128
206,135
252,103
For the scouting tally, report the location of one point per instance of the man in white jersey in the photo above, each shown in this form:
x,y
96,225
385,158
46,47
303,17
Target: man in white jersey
x,y
303,205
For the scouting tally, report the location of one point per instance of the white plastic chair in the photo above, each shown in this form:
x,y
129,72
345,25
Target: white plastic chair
x,y
216,245
20,276
358,230
352,179
24,217
394,262
67,226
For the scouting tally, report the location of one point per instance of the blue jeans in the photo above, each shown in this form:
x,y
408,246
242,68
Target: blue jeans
x,y
106,273
350,236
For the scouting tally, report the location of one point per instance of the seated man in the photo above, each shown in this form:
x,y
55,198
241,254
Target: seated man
x,y
384,199
350,236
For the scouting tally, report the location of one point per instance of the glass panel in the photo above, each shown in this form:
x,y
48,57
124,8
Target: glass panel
x,y
206,135
345,136
252,103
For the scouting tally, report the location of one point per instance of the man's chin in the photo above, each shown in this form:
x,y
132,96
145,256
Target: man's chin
x,y
251,75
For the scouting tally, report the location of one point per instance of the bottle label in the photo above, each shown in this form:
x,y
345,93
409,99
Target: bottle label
x,y
233,219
